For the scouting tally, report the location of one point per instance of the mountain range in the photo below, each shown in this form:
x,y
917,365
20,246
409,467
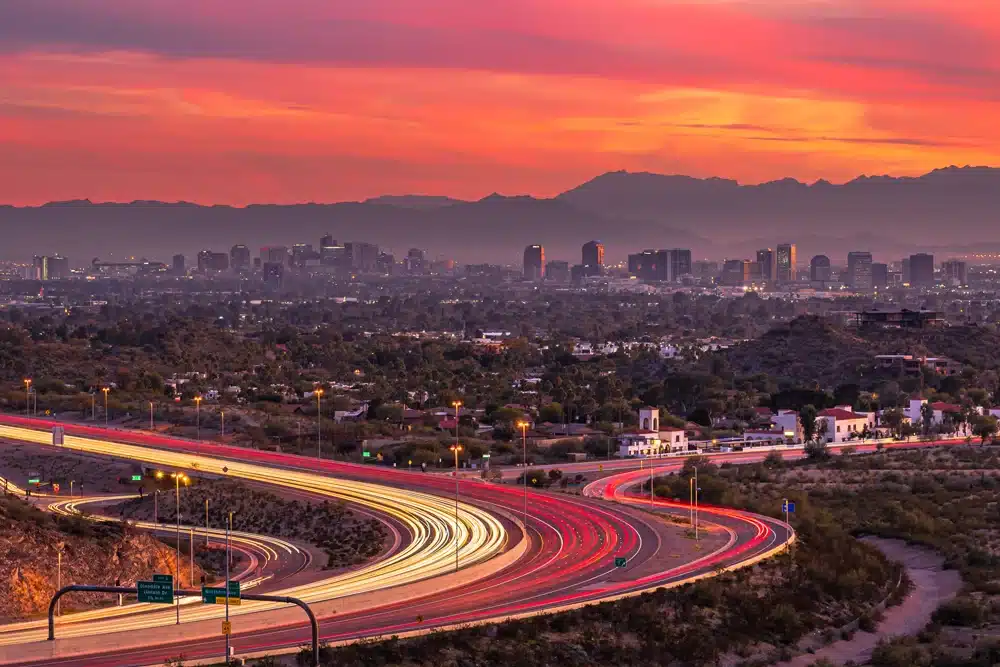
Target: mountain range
x,y
955,210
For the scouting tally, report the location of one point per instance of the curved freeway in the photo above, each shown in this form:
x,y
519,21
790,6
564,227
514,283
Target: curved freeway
x,y
568,559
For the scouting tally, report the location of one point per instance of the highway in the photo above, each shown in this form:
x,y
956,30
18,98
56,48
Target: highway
x,y
568,559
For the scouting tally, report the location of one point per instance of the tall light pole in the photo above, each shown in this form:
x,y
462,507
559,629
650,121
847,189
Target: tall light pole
x,y
319,422
206,523
523,425
456,448
105,390
150,415
222,416
27,397
229,529
59,553
197,415
93,406
177,553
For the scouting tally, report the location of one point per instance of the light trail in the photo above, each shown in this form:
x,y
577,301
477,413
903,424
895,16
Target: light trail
x,y
429,519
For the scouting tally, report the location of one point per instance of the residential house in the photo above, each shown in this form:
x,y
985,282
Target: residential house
x,y
842,424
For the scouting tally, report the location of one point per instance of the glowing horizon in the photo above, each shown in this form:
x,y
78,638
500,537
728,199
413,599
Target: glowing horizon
x,y
214,101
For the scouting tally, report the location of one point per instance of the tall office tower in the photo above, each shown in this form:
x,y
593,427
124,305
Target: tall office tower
x,y
362,256
787,263
276,254
643,265
534,262
557,271
49,267
766,260
239,258
922,270
735,272
209,261
859,270
593,258
904,270
880,275
416,263
179,266
956,272
819,269
680,263
326,241
274,273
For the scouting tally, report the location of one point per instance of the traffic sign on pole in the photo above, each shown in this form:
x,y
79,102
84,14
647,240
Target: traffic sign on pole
x,y
161,592
788,507
227,628
136,478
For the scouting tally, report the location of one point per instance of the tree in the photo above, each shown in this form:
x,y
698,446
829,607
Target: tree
x,y
807,415
893,418
774,459
927,417
985,427
817,451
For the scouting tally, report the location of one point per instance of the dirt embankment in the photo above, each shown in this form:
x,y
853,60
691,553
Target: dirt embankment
x,y
30,542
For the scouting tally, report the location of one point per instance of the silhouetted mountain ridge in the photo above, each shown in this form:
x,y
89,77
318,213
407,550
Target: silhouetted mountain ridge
x,y
953,207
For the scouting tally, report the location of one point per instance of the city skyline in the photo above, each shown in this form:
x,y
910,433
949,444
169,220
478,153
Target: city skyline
x,y
213,102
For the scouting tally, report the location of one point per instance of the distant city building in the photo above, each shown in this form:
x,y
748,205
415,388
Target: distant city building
x,y
49,267
661,265
557,271
705,269
326,241
905,270
593,258
735,272
302,255
179,265
680,263
643,265
922,270
955,272
274,254
767,265
534,262
239,258
363,257
880,275
819,269
859,270
210,261
274,273
416,262
787,263
386,263
897,319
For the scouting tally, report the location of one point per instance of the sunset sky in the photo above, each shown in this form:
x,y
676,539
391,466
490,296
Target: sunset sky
x,y
238,101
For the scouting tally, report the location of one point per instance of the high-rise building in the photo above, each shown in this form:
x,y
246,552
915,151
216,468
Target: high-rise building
x,y
859,270
735,272
239,258
49,267
363,257
534,262
880,275
326,241
705,269
179,265
274,273
819,269
904,270
787,263
766,260
557,271
593,258
209,261
416,262
680,263
277,254
644,265
956,272
922,270
302,254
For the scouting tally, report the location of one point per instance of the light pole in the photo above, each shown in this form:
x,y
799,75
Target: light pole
x,y
229,529
523,425
206,523
191,554
59,553
150,415
319,422
177,553
105,390
197,415
456,448
93,406
222,416
27,397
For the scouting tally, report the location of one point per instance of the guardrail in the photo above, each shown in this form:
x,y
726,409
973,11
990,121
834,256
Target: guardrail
x,y
134,591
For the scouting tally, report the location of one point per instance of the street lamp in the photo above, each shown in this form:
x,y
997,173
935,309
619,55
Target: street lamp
x,y
150,415
197,413
319,422
59,553
27,397
523,425
178,476
229,530
105,390
222,416
456,448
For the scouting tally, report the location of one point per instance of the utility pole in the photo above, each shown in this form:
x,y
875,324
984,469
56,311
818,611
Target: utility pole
x,y
229,529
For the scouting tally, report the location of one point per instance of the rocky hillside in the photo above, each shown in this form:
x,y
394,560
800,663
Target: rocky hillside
x,y
92,554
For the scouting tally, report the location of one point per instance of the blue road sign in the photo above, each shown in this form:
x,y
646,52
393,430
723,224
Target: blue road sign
x,y
788,507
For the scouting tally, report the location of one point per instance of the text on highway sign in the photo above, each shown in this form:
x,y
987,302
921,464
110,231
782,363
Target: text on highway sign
x,y
161,592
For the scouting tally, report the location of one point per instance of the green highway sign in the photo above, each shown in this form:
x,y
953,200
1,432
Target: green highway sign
x,y
366,454
164,578
217,594
621,562
136,478
234,589
486,456
156,591
35,480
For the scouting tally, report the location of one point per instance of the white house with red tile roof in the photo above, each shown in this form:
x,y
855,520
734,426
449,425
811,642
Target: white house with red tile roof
x,y
651,439
842,424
